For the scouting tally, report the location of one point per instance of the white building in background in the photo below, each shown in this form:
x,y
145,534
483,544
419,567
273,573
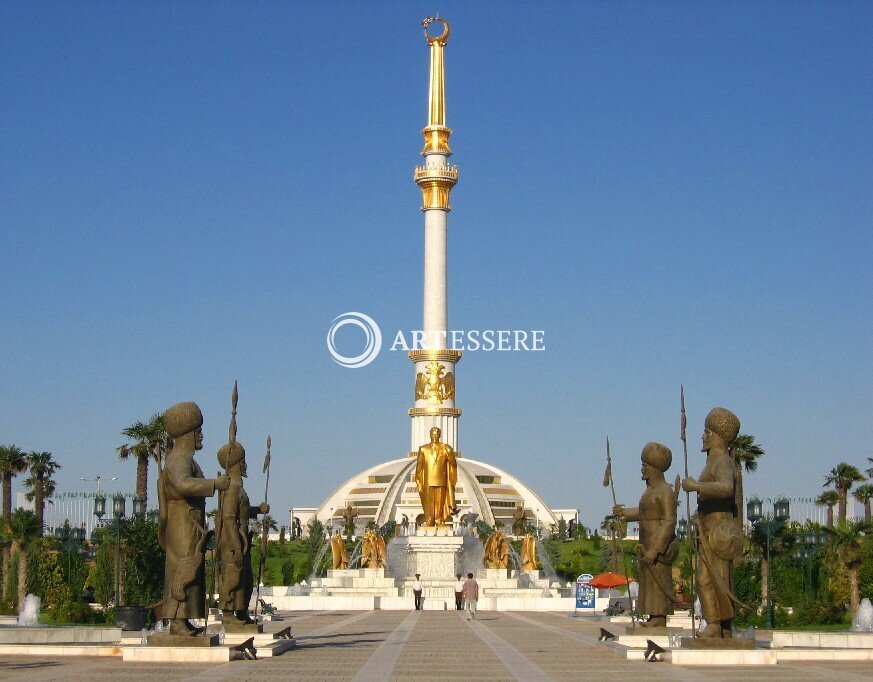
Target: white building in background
x,y
387,492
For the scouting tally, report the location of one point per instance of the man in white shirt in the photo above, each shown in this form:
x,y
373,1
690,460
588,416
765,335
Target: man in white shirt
x,y
459,593
417,589
471,596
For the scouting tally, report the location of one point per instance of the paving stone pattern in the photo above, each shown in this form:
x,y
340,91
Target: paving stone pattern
x,y
426,645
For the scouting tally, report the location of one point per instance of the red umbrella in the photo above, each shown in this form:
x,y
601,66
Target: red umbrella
x,y
607,581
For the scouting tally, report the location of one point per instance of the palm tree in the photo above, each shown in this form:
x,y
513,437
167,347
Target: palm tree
x,y
12,463
270,523
864,493
745,452
829,499
847,539
40,482
150,440
758,538
870,470
21,529
843,477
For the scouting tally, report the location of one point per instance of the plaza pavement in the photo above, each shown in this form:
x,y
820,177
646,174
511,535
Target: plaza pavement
x,y
427,645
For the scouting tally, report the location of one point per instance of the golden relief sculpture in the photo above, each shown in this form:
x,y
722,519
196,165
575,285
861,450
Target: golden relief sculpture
x,y
496,551
374,553
436,473
529,560
339,554
434,384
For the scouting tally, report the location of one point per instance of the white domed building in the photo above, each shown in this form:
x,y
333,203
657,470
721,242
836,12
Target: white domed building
x,y
387,492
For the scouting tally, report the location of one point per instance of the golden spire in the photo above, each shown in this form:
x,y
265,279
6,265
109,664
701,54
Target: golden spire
x,y
436,178
436,134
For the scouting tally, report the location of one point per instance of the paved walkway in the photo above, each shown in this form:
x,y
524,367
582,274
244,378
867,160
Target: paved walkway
x,y
427,645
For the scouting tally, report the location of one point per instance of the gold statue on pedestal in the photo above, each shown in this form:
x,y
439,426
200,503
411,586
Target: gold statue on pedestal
x,y
496,551
436,473
529,561
339,555
374,554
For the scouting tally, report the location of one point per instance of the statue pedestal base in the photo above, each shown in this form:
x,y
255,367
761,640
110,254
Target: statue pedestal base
x,y
435,557
236,626
182,640
719,643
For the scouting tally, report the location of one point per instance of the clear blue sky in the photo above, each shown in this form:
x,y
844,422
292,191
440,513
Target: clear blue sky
x,y
675,193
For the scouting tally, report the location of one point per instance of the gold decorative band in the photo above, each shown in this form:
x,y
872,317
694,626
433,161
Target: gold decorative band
x,y
436,140
430,411
442,355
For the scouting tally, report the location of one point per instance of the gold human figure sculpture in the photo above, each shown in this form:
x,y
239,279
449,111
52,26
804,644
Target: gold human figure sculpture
x,y
658,547
496,551
529,561
339,554
436,473
373,551
182,493
719,540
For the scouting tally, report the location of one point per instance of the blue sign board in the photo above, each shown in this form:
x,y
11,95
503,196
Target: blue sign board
x,y
584,592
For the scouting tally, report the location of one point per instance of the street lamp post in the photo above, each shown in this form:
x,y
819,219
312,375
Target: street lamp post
x,y
97,480
769,525
812,541
70,539
118,510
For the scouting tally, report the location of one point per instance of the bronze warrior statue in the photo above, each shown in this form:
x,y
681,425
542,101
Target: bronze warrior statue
x,y
719,540
233,549
182,493
658,547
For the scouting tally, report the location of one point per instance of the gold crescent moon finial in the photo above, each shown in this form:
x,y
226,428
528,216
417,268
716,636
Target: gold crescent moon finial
x,y
441,39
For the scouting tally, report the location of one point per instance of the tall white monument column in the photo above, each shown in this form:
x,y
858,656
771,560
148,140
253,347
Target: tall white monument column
x,y
435,363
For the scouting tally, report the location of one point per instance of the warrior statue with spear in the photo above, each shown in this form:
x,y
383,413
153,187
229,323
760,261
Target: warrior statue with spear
x,y
182,493
234,541
658,547
719,538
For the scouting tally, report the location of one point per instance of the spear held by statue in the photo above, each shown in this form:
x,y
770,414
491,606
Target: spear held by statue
x,y
608,481
265,530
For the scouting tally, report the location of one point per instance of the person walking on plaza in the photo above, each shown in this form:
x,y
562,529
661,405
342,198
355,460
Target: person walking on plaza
x,y
417,589
459,593
471,596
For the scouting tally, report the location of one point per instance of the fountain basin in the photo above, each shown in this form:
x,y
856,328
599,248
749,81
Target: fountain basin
x,y
821,640
59,635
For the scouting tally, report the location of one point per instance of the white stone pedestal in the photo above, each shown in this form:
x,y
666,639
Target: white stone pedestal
x,y
357,581
435,557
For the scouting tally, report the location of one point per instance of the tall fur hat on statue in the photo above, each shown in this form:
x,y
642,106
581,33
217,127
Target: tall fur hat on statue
x,y
182,418
659,456
723,423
